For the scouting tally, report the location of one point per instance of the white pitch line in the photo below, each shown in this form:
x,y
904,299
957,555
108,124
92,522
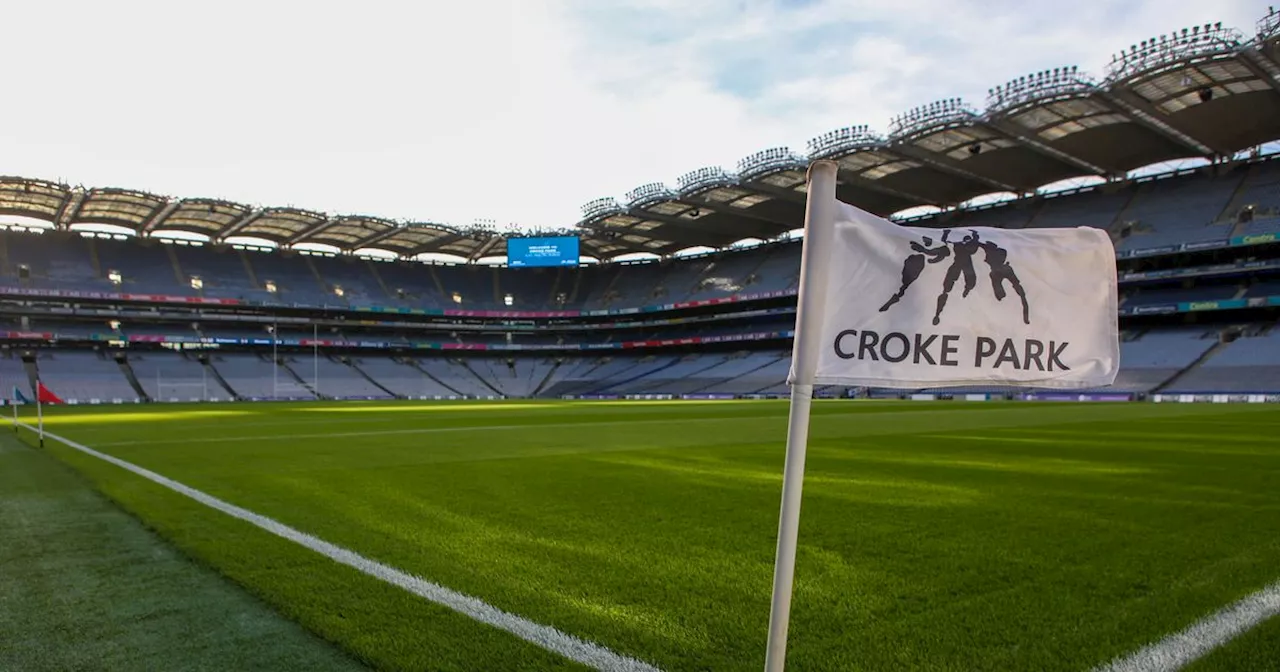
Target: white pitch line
x,y
1182,648
578,650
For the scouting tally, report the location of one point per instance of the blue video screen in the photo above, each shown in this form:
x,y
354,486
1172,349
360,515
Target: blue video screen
x,y
530,252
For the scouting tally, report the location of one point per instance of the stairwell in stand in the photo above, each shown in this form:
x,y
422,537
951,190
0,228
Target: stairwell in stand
x,y
315,273
94,261
577,286
421,369
284,366
435,278
555,289
177,267
248,269
5,268
1116,227
1199,361
467,365
127,369
373,268
356,367
1238,197
547,378
212,370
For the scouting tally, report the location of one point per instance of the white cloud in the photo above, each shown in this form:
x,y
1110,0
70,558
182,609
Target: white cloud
x,y
512,110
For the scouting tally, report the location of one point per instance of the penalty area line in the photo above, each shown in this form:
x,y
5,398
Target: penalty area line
x,y
1182,648
578,650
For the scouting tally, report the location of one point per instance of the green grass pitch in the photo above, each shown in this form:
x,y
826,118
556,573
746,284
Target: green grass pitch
x,y
934,536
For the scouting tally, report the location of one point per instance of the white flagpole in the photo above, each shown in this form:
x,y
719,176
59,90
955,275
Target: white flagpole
x,y
14,394
39,412
815,266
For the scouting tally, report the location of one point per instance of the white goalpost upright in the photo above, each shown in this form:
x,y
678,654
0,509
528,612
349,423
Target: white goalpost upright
x,y
180,391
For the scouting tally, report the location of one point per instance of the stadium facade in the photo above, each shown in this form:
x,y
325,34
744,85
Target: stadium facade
x,y
108,317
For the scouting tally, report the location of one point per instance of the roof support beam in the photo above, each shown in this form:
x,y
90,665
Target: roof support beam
x,y
702,202
855,180
1145,114
628,246
485,247
947,164
155,221
238,226
777,192
377,238
1262,67
1013,132
676,234
436,245
692,226
311,232
70,209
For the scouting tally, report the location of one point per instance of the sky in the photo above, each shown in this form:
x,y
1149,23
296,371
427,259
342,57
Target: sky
x,y
503,111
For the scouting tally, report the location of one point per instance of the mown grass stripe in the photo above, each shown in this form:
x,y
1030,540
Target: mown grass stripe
x,y
419,430
578,650
1182,648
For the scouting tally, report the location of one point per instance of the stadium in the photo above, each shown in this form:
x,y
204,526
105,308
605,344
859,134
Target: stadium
x,y
584,436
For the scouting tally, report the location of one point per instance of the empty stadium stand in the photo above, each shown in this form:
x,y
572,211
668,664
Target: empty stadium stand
x,y
1250,364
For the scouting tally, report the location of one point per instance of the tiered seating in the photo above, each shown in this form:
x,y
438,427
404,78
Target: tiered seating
x,y
1158,356
221,270
402,379
13,373
1266,288
598,379
1095,208
684,376
337,380
474,284
457,376
252,376
769,372
359,286
413,280
145,266
1178,294
728,371
519,378
1179,210
54,261
1250,364
292,275
84,376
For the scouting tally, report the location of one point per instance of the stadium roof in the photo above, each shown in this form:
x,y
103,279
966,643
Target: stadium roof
x,y
1203,91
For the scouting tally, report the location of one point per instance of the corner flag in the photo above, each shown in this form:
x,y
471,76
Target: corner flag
x,y
891,306
46,396
19,397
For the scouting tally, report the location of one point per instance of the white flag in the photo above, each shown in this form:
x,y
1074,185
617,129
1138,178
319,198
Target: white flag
x,y
907,307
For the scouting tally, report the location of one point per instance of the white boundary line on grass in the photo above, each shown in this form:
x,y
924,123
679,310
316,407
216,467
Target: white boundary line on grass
x,y
1181,648
578,650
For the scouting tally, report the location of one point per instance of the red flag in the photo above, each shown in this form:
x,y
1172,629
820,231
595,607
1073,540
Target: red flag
x,y
45,396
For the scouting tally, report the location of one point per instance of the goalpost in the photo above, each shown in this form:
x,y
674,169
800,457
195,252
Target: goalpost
x,y
186,390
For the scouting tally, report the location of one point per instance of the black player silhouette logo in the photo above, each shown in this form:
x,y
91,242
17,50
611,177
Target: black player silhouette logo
x,y
961,253
914,265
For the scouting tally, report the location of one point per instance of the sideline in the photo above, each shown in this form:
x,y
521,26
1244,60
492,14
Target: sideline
x,y
578,650
1182,648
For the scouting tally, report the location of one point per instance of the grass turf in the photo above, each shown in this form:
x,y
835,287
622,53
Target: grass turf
x,y
934,536
85,587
